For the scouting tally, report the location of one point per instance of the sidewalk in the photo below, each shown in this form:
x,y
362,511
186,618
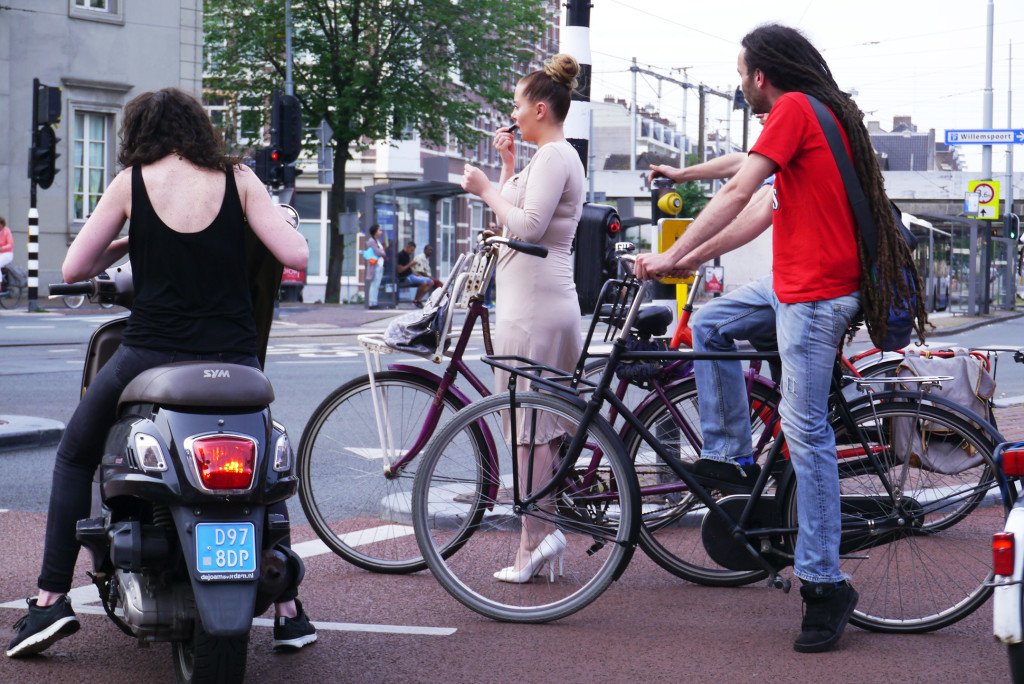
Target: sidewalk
x,y
349,320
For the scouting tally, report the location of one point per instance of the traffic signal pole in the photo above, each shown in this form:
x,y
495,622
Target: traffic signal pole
x,y
576,41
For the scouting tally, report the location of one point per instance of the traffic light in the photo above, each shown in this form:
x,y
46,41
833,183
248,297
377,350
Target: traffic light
x,y
46,107
286,126
1012,226
288,174
42,157
596,235
268,166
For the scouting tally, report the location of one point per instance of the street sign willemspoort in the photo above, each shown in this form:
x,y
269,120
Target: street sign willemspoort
x,y
985,136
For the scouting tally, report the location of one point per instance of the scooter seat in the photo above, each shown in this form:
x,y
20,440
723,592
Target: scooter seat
x,y
199,383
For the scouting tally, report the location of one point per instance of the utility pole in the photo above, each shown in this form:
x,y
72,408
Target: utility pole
x,y
986,158
682,138
633,120
576,41
1011,253
289,86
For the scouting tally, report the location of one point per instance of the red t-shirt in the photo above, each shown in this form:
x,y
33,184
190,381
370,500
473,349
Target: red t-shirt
x,y
814,246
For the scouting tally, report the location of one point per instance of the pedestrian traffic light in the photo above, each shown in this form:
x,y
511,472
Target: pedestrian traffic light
x,y
286,126
268,166
42,157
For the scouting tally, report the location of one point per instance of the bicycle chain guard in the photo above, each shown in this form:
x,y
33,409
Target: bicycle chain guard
x,y
723,548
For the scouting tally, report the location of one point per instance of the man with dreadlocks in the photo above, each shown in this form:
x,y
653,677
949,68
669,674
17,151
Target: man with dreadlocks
x,y
810,299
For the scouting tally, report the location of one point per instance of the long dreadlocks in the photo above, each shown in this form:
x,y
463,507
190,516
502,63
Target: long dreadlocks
x,y
792,64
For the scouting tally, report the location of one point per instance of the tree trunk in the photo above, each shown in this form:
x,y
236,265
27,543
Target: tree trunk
x,y
336,241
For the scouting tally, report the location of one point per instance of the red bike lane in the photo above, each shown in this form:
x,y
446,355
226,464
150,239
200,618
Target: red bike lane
x,y
649,626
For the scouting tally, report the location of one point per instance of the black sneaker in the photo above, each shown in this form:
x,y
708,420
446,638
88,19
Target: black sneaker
x,y
827,609
726,475
42,627
294,633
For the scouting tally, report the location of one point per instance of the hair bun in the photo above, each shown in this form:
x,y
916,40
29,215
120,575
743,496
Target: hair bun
x,y
563,68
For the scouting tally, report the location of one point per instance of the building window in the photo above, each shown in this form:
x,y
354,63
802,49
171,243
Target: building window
x,y
448,247
89,161
249,122
110,11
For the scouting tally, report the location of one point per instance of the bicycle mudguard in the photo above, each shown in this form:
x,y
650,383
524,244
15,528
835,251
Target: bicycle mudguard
x,y
724,549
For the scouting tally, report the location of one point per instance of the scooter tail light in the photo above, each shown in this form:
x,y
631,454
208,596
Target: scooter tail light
x,y
224,461
282,454
1013,462
150,453
1003,553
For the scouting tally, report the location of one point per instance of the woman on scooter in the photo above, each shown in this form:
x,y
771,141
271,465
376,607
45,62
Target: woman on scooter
x,y
188,205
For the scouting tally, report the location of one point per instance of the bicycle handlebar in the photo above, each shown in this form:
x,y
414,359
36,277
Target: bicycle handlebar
x,y
530,248
85,287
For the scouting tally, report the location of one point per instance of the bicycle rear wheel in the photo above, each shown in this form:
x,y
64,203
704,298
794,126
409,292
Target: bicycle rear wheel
x,y
11,296
672,520
357,504
924,564
594,510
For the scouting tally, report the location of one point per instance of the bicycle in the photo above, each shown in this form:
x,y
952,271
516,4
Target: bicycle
x,y
14,288
896,513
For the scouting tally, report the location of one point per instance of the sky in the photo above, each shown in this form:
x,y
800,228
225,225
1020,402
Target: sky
x,y
924,59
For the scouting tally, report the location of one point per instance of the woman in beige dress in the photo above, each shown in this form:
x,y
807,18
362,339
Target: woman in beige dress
x,y
538,312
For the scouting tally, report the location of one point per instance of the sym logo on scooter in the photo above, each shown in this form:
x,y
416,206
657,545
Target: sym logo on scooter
x,y
216,373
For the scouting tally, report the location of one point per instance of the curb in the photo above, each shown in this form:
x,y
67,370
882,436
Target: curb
x,y
20,432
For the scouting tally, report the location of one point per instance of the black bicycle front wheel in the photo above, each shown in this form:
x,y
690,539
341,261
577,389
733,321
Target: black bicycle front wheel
x,y
544,562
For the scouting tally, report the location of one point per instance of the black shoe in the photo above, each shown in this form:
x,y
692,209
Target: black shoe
x,y
827,609
726,475
294,633
42,627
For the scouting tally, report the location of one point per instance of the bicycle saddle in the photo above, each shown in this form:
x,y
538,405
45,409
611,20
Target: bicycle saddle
x,y
652,321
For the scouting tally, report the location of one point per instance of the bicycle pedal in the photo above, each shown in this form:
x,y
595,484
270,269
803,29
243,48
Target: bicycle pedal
x,y
779,582
597,546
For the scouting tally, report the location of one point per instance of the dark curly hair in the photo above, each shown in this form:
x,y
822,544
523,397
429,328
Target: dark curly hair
x,y
167,121
791,63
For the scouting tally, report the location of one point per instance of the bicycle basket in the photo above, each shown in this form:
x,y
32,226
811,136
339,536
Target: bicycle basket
x,y
16,276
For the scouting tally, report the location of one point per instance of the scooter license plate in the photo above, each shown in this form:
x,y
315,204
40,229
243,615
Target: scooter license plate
x,y
225,551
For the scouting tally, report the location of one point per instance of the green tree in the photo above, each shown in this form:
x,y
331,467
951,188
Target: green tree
x,y
373,68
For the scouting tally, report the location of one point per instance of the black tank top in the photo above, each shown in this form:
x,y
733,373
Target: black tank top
x,y
191,289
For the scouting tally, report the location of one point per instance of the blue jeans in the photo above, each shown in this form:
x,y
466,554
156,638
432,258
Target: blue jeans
x,y
374,289
808,335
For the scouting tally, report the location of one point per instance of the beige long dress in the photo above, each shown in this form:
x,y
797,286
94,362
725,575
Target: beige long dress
x,y
538,312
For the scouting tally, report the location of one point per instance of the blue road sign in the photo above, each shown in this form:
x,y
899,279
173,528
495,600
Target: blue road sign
x,y
986,136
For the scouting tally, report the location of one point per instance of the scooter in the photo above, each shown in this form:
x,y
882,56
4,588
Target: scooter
x,y
185,551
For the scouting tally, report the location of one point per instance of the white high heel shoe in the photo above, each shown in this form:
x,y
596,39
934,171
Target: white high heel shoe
x,y
550,548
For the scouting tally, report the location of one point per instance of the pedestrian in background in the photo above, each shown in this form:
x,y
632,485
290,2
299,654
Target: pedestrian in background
x,y
6,248
374,255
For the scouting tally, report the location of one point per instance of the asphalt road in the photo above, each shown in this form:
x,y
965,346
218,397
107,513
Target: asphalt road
x,y
649,626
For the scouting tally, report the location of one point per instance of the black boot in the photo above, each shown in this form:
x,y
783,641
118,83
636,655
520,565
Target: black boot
x,y
827,609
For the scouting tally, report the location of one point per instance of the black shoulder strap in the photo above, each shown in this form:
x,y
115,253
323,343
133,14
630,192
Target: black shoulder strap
x,y
854,193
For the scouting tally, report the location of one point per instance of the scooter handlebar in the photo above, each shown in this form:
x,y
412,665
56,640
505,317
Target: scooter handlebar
x,y
85,287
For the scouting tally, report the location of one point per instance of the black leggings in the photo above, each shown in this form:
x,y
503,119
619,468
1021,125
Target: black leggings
x,y
81,449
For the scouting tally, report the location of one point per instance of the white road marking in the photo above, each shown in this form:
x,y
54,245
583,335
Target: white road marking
x,y
30,327
368,536
64,351
377,629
